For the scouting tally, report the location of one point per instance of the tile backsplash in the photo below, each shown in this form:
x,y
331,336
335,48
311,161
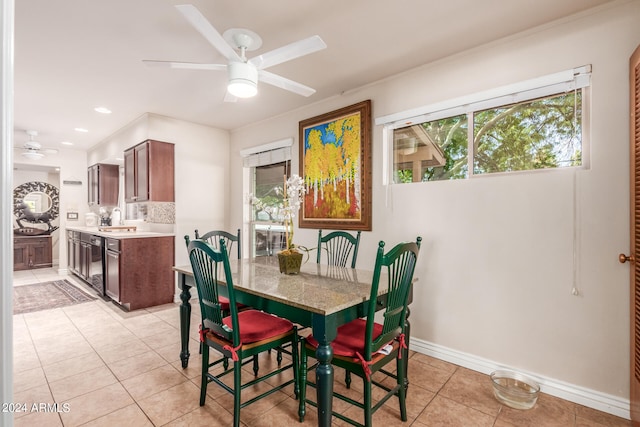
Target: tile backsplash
x,y
152,212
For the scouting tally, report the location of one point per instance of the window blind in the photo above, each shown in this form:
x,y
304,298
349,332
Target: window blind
x,y
267,154
563,81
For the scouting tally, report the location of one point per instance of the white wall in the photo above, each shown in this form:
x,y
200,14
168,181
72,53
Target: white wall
x,y
496,266
201,170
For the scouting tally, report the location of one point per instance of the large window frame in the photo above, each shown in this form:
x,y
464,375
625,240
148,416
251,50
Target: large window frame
x,y
577,79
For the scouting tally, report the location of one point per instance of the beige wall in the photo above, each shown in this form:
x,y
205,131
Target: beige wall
x,y
496,267
201,170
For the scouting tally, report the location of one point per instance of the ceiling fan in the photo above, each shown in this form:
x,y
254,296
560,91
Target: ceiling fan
x,y
244,73
33,150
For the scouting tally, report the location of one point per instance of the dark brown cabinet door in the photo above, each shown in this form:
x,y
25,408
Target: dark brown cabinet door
x,y
70,253
103,182
149,172
40,253
634,256
130,175
142,172
112,275
92,184
32,252
85,260
20,255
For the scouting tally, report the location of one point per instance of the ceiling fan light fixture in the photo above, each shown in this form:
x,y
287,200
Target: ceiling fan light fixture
x,y
243,79
32,155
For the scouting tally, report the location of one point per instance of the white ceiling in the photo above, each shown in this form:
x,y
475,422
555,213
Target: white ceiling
x,y
74,55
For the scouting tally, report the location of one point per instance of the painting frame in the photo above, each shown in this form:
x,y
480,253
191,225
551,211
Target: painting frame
x,y
343,201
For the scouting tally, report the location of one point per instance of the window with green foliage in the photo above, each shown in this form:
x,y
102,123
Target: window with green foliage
x,y
540,134
431,151
537,128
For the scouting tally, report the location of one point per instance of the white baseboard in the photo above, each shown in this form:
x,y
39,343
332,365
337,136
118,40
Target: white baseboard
x,y
593,399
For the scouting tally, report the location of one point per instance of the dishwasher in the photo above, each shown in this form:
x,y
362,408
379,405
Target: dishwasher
x,y
94,262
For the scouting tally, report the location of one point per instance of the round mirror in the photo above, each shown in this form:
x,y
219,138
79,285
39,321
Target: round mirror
x,y
39,197
38,201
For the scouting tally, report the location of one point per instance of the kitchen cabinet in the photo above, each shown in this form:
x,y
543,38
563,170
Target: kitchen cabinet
x,y
112,269
149,172
85,257
138,271
72,242
103,183
32,252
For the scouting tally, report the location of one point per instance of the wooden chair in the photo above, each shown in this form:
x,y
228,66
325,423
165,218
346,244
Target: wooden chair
x,y
242,334
357,347
338,245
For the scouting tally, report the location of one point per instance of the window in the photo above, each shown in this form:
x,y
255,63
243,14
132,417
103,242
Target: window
x,y
545,133
268,229
266,166
535,127
431,151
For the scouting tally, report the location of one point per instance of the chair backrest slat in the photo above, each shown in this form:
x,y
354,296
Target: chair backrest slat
x,y
339,246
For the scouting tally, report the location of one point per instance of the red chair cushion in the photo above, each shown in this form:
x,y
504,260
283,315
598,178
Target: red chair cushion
x,y
224,304
257,325
350,339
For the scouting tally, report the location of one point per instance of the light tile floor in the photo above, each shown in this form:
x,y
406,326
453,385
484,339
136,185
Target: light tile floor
x,y
106,367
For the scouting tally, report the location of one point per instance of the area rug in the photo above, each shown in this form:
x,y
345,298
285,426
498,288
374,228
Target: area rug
x,y
47,295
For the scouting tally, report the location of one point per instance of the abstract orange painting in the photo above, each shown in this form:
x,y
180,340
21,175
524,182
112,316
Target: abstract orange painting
x,y
335,163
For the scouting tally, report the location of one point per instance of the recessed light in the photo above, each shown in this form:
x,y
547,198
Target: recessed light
x,y
66,143
81,130
57,169
103,110
119,159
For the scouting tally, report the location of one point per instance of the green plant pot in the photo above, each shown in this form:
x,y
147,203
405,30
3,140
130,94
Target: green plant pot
x,y
290,262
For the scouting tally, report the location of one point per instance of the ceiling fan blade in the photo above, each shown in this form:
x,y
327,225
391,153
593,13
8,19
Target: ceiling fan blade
x,y
287,53
284,83
200,23
49,150
184,65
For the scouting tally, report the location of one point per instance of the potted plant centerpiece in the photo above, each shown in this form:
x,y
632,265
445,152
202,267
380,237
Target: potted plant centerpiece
x,y
290,258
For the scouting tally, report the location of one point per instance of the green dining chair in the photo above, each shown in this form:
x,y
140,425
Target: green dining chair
x,y
364,347
239,336
338,246
213,238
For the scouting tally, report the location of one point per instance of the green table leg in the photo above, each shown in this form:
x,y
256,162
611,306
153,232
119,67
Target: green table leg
x,y
324,381
324,331
185,320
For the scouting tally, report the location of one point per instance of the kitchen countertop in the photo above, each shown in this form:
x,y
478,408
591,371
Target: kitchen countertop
x,y
120,234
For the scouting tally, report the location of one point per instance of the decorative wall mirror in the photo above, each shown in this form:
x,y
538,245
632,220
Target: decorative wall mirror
x,y
37,203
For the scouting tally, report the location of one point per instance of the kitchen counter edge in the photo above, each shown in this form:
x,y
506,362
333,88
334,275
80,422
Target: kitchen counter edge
x,y
120,234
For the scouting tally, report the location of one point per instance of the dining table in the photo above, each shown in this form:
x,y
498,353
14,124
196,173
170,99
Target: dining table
x,y
321,297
